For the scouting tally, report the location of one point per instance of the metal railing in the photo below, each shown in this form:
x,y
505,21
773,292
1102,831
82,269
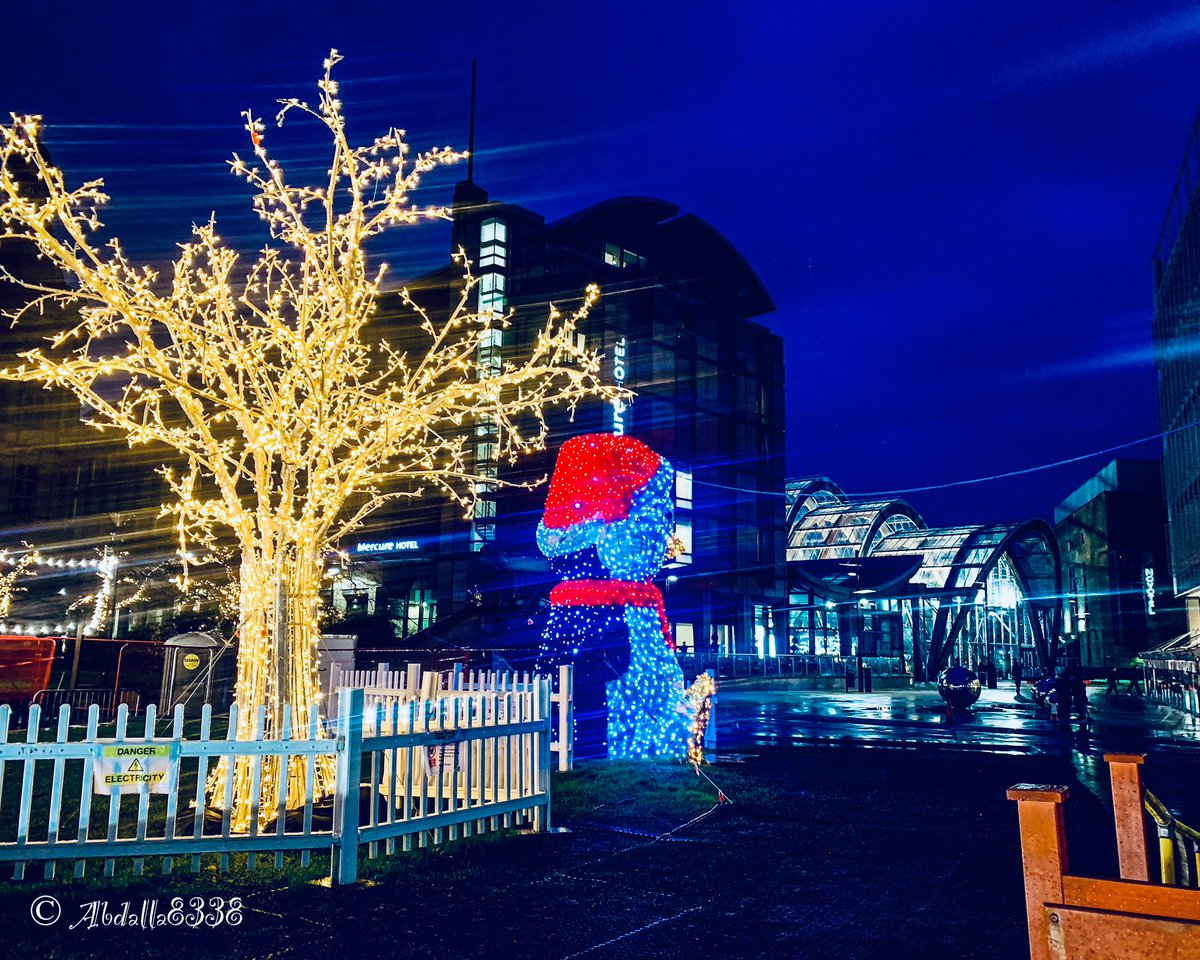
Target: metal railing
x,y
787,665
1178,846
80,698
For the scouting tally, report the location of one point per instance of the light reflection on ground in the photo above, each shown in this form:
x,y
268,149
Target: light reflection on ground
x,y
916,720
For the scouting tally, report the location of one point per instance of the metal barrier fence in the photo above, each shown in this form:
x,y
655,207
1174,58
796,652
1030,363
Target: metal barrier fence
x,y
1175,686
80,698
786,665
469,764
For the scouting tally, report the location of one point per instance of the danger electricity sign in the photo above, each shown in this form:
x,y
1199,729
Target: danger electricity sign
x,y
134,767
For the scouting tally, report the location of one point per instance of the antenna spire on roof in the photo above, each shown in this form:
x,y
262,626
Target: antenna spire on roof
x,y
471,134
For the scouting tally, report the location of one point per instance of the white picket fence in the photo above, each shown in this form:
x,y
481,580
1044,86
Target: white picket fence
x,y
391,687
436,769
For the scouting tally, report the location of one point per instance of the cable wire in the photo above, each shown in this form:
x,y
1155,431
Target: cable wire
x,y
1025,471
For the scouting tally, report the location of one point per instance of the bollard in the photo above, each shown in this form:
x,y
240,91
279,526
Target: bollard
x,y
1166,853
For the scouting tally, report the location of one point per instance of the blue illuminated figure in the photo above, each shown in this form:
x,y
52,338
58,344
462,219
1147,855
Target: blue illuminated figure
x,y
608,522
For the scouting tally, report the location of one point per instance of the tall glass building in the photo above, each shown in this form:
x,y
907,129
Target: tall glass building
x,y
674,324
1177,357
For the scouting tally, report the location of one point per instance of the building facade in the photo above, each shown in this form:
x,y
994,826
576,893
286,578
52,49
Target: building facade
x,y
1112,536
1177,358
674,324
66,490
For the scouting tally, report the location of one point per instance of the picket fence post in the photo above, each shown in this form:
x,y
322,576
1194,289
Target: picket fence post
x,y
566,716
542,823
344,854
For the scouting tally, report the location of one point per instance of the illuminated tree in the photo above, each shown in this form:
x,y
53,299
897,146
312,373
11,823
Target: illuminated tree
x,y
289,423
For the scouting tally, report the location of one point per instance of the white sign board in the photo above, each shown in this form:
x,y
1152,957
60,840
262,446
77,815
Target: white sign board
x,y
620,369
135,767
385,546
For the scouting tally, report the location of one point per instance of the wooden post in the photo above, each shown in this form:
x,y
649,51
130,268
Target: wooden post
x,y
75,655
1125,774
1043,854
343,861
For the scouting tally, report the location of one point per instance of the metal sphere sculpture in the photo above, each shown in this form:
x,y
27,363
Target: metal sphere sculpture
x,y
959,687
606,529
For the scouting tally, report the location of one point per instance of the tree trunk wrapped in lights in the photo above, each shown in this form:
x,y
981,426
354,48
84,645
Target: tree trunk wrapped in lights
x,y
291,426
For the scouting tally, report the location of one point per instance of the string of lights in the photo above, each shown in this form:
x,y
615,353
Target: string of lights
x,y
700,694
26,562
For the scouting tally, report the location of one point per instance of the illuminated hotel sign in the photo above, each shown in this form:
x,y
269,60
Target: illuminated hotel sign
x,y
386,546
620,368
1148,583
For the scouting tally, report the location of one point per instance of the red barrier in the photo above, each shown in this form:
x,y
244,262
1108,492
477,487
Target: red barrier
x,y
24,667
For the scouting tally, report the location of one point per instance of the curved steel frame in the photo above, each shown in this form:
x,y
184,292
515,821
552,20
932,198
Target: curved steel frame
x,y
945,630
1043,604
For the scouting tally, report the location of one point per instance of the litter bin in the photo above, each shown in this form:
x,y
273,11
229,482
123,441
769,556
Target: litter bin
x,y
194,673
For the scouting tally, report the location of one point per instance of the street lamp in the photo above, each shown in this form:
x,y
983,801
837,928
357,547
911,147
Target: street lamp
x,y
860,629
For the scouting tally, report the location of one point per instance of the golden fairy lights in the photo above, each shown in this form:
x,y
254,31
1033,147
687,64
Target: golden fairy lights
x,y
699,695
27,562
8,580
289,426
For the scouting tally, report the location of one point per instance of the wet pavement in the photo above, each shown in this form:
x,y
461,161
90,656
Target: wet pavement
x,y
761,715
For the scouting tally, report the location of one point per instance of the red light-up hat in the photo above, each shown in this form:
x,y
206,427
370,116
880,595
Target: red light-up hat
x,y
596,477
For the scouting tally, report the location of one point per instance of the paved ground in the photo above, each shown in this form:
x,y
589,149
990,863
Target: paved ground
x,y
760,714
862,826
825,851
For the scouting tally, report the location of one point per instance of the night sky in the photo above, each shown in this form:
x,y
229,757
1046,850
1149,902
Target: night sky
x,y
953,204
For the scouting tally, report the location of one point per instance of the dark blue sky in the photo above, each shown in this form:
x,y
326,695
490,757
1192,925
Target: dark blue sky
x,y
953,204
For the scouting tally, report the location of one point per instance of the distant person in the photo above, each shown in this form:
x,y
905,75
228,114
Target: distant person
x,y
1065,692
1018,676
1052,699
1135,685
1114,685
1079,695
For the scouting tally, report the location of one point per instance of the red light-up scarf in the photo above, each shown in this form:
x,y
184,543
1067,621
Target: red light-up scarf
x,y
613,593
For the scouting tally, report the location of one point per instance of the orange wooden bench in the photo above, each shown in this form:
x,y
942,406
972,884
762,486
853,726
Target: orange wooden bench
x,y
1080,918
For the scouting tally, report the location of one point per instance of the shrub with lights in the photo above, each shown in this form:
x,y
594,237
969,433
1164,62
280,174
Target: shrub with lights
x,y
606,530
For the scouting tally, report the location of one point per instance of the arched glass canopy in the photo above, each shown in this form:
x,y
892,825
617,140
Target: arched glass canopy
x,y
983,592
